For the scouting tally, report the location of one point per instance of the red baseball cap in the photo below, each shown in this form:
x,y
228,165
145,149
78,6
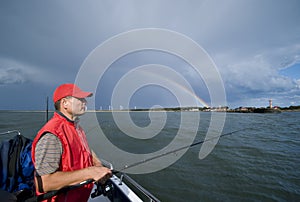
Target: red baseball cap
x,y
69,89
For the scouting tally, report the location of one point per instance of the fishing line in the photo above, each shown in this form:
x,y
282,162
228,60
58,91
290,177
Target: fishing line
x,y
175,150
47,109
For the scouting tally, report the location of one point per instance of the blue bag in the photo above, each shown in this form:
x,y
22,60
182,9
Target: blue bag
x,y
17,169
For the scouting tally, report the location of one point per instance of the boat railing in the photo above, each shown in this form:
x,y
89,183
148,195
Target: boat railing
x,y
136,187
144,194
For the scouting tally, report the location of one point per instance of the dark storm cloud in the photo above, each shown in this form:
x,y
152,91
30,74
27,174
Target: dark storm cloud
x,y
251,42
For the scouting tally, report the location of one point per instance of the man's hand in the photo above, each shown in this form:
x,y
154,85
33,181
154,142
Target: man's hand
x,y
100,173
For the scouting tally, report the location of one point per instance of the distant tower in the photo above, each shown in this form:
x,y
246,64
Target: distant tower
x,y
270,104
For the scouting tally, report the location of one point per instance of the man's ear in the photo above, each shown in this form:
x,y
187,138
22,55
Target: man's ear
x,y
64,102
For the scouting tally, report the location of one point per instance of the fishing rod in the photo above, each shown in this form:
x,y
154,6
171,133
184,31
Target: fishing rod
x,y
10,131
174,151
50,194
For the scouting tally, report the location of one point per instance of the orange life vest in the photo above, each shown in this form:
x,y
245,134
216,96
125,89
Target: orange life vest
x,y
76,153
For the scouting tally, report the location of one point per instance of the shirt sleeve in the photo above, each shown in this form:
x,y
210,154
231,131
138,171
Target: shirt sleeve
x,y
48,153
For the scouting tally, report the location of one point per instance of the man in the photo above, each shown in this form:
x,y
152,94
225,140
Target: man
x,y
60,151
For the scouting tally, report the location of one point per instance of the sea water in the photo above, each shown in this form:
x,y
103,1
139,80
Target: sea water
x,y
260,162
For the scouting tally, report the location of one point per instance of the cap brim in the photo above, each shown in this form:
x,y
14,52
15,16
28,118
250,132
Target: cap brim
x,y
82,94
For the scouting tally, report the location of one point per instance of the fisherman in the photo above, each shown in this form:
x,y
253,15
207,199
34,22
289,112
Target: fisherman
x,y
60,151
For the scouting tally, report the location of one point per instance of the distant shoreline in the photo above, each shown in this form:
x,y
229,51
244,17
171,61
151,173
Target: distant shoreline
x,y
149,110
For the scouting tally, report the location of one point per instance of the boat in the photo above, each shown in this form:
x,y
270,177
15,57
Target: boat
x,y
122,188
119,188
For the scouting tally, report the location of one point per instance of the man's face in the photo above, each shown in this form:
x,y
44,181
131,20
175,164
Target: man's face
x,y
76,106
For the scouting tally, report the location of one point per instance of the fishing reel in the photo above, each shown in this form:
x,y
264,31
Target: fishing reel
x,y
105,189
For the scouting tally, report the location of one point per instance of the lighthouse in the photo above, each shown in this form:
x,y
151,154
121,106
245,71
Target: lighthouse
x,y
270,104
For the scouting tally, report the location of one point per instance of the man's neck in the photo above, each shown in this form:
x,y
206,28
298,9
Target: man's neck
x,y
68,116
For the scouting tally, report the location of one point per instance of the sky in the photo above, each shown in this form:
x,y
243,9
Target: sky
x,y
254,44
